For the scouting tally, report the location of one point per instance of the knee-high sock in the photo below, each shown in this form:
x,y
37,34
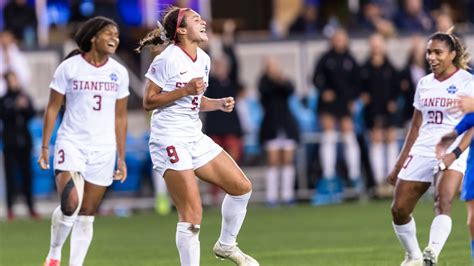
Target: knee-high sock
x,y
377,161
439,232
288,183
81,238
187,242
392,154
406,234
271,180
327,153
352,155
60,228
234,209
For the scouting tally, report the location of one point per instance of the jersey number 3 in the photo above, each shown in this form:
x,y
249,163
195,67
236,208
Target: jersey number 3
x,y
98,103
171,150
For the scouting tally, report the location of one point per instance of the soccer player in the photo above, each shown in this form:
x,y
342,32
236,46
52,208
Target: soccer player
x,y
412,175
94,90
177,79
467,189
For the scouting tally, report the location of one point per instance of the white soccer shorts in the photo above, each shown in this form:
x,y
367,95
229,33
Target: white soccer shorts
x,y
167,153
97,167
420,168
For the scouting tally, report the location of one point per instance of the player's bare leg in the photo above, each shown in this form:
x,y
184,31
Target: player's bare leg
x,y
70,189
184,191
82,231
447,186
224,172
406,195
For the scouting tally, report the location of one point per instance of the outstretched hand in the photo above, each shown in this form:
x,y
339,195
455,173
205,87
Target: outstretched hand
x,y
227,104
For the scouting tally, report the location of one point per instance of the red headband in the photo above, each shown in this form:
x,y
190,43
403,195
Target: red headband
x,y
180,19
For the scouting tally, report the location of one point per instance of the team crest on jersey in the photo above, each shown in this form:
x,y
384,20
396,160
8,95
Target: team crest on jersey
x,y
452,89
113,77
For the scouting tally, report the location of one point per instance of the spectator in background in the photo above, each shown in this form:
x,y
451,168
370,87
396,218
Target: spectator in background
x,y
379,94
373,20
444,22
12,60
20,19
336,76
224,128
306,23
415,68
16,110
279,132
413,18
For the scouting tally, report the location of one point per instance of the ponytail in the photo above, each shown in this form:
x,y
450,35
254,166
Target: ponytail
x,y
166,32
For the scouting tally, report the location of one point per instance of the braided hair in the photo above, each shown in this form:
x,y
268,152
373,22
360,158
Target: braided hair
x,y
165,32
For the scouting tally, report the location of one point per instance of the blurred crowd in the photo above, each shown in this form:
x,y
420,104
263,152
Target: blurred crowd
x,y
359,111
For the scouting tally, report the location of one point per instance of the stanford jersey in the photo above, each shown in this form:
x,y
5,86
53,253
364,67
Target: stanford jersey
x,y
90,94
170,70
433,98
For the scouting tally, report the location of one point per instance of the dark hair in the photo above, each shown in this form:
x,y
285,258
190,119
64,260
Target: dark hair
x,y
87,31
165,31
454,43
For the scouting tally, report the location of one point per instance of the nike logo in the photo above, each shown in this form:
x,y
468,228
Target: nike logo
x,y
184,72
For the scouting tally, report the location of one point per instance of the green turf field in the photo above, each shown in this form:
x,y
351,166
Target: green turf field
x,y
347,234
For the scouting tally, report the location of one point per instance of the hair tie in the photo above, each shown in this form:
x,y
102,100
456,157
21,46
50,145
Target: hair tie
x,y
162,31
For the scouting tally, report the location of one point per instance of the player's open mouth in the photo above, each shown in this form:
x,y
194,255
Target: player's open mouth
x,y
203,30
434,66
112,44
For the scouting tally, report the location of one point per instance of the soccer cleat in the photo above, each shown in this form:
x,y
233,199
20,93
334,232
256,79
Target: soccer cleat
x,y
411,262
429,257
234,254
52,262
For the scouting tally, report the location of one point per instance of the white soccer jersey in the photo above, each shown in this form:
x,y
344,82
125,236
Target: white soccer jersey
x,y
433,98
170,70
90,95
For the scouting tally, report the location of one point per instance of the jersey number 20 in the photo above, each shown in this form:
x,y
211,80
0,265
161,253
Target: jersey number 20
x,y
435,117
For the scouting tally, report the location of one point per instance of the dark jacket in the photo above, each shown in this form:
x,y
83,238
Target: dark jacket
x,y
340,73
381,83
15,133
277,115
222,123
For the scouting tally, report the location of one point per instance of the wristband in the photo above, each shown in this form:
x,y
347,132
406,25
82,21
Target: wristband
x,y
44,147
457,152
